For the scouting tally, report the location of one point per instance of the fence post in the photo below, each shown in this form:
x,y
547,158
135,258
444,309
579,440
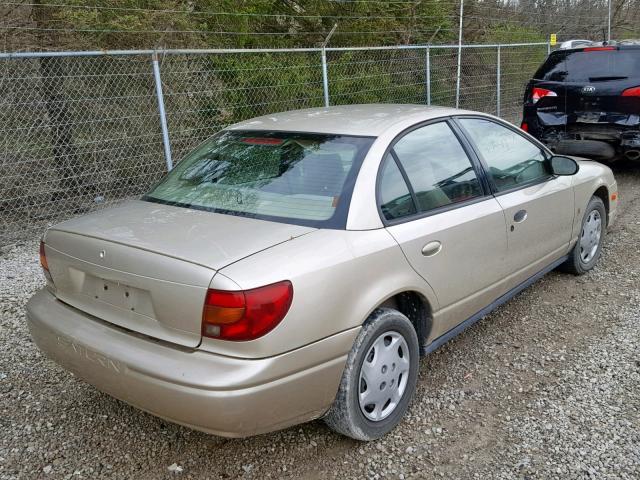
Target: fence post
x,y
459,54
428,73
325,74
609,22
325,77
161,111
498,85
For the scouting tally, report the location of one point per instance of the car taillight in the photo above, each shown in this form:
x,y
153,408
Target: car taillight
x,y
45,267
632,92
43,258
538,93
245,315
524,126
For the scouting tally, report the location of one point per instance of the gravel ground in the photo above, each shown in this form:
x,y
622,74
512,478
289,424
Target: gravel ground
x,y
546,387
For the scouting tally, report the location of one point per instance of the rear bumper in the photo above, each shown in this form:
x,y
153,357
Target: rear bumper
x,y
621,131
217,394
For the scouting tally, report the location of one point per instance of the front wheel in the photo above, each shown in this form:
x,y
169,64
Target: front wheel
x,y
587,250
379,378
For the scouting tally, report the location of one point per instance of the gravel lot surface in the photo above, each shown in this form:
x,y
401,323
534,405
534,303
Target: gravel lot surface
x,y
546,387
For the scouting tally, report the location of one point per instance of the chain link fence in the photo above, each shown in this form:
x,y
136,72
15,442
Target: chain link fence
x,y
81,130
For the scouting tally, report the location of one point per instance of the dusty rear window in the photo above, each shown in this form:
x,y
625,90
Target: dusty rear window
x,y
300,178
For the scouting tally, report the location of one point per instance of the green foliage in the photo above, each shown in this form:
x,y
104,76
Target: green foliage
x,y
257,84
113,24
506,33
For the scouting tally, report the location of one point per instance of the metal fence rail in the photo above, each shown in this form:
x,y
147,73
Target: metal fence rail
x,y
80,130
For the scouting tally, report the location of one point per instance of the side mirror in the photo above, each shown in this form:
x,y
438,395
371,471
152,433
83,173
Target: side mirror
x,y
561,165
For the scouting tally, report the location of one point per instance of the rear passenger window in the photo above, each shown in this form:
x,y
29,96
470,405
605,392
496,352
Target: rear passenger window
x,y
437,167
396,200
512,159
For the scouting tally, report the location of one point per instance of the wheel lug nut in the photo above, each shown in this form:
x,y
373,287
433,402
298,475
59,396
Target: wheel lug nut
x,y
383,385
384,369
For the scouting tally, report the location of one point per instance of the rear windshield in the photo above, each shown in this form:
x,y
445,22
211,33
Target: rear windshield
x,y
299,178
590,66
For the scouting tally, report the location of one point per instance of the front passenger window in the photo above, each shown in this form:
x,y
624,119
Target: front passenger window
x,y
512,159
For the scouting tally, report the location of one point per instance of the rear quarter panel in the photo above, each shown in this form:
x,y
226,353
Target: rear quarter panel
x,y
339,277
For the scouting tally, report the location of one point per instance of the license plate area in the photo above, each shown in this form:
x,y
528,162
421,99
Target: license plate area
x,y
589,117
119,295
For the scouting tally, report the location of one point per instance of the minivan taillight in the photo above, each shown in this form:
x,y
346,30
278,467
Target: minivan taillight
x,y
245,314
538,93
632,92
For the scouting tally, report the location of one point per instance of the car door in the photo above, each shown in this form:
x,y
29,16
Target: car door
x,y
538,206
452,231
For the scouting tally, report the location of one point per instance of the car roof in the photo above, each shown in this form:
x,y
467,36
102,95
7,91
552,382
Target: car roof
x,y
361,120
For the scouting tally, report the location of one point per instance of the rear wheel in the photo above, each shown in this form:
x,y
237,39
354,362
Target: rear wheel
x,y
586,252
379,378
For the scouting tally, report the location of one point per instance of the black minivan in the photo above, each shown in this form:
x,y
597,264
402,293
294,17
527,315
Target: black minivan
x,y
586,101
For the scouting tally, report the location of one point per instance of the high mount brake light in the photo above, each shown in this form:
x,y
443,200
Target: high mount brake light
x,y
632,92
539,93
262,141
247,314
598,49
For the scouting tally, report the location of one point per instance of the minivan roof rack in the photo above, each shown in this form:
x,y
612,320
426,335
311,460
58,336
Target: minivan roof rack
x,y
629,41
580,43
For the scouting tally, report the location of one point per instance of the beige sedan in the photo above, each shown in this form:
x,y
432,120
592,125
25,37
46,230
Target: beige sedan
x,y
295,266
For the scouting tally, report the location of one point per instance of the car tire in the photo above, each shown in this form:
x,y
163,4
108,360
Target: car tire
x,y
385,375
587,250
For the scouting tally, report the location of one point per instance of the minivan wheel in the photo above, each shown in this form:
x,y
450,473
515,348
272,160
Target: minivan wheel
x,y
379,378
587,250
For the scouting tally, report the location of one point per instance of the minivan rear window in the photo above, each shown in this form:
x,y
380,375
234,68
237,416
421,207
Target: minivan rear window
x,y
590,66
299,178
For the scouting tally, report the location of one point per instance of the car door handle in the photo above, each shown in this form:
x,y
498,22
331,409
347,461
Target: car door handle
x,y
520,216
431,248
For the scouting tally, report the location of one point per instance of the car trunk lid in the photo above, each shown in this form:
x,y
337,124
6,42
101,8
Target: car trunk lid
x,y
146,267
602,103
